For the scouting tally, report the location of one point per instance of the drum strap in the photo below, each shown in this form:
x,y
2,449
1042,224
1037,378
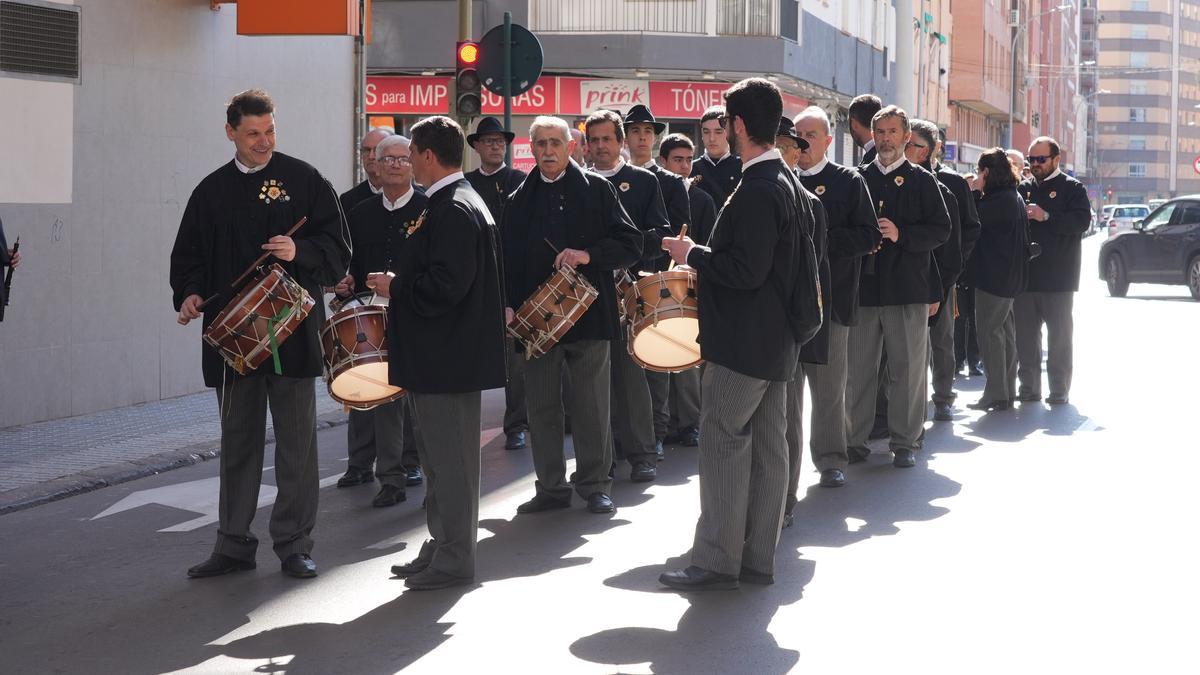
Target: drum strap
x,y
280,317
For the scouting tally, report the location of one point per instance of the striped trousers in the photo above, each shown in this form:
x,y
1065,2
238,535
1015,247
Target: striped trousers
x,y
743,471
827,425
901,330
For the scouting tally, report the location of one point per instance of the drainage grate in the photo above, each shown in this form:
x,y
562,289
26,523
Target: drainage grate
x,y
39,39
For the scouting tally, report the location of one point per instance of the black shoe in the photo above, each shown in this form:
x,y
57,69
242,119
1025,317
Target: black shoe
x,y
689,437
356,476
990,406
942,412
544,502
975,370
430,579
418,564
515,441
750,576
415,476
218,564
698,579
389,495
903,459
658,450
642,472
878,433
856,455
1057,399
299,565
960,367
598,502
1028,397
832,478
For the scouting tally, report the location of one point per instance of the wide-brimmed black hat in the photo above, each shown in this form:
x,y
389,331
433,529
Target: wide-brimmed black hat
x,y
490,125
787,128
639,114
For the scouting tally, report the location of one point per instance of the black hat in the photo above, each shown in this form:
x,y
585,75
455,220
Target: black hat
x,y
490,125
640,113
787,128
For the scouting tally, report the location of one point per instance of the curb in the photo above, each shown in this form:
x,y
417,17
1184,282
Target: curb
x,y
122,472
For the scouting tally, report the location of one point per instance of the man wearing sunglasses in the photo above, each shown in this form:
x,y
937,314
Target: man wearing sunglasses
x,y
1059,214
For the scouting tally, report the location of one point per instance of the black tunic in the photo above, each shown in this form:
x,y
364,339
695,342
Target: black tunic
x,y
679,207
704,215
446,316
949,256
903,271
4,262
719,179
746,277
496,188
639,193
1001,262
853,233
594,222
1065,200
378,236
816,350
355,196
868,157
226,222
968,214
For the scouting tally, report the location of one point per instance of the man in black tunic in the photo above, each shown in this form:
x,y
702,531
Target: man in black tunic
x,y
719,169
1059,215
495,181
897,295
373,183
8,258
862,110
676,153
760,269
633,412
853,233
379,437
446,345
580,215
239,211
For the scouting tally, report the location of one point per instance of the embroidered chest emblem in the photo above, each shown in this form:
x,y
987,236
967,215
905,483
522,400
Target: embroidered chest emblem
x,y
272,191
411,229
1053,194
899,181
820,190
624,187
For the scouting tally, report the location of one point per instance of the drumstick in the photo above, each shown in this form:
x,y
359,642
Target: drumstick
x,y
551,245
261,259
682,232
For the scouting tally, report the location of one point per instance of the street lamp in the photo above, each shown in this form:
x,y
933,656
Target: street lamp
x,y
1020,28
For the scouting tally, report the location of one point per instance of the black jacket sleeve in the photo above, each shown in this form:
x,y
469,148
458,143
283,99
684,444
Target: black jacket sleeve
x,y
187,256
1075,218
657,225
949,255
861,234
932,227
622,244
452,267
323,243
675,198
747,261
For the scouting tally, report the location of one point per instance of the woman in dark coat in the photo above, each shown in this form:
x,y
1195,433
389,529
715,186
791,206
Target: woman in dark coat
x,y
1001,265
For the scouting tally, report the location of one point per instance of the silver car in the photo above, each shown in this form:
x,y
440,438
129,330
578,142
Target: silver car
x,y
1124,216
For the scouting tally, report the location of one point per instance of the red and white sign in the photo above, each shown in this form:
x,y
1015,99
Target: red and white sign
x,y
408,95
522,154
1196,165
686,100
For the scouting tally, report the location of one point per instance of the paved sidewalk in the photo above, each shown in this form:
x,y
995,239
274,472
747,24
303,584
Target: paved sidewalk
x,y
50,460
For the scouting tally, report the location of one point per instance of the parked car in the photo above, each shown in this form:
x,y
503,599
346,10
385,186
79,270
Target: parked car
x,y
1105,214
1155,203
1124,215
1163,248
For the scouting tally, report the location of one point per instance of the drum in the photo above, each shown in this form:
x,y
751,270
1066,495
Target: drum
x,y
624,283
550,312
259,319
363,299
355,344
664,320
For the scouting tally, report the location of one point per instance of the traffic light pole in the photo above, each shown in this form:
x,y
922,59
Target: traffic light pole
x,y
464,33
508,84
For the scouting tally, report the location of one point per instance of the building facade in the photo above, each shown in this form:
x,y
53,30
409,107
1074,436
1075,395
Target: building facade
x,y
99,162
1149,141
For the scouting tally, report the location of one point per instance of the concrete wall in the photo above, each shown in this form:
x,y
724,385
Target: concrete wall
x,y
90,325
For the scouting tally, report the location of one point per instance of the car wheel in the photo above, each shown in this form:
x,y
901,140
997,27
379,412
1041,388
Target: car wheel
x,y
1193,277
1114,276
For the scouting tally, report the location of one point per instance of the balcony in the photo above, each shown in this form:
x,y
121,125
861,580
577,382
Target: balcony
x,y
760,18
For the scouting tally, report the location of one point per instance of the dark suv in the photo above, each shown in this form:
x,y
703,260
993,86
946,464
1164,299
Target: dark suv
x,y
1164,248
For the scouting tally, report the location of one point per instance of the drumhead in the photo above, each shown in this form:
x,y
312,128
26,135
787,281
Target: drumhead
x,y
671,345
363,384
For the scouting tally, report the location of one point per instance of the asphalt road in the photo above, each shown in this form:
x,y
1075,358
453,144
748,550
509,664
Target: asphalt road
x,y
1035,541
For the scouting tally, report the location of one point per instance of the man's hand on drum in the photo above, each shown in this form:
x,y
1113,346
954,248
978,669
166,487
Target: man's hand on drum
x,y
281,247
345,287
679,248
381,283
571,257
190,309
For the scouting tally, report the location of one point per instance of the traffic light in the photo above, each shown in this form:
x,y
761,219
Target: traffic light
x,y
1108,195
467,101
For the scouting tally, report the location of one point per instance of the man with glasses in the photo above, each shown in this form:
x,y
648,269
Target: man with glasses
x,y
495,181
366,154
719,168
380,441
1059,214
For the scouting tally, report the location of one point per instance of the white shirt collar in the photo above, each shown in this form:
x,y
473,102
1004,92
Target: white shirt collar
x,y
816,169
400,201
768,155
717,160
613,171
456,176
868,145
374,190
650,165
885,170
492,173
1056,174
245,169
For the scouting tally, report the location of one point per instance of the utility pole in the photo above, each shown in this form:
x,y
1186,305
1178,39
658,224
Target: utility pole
x,y
360,91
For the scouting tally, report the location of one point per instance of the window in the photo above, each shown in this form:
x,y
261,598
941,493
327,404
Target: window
x,y
1139,32
1139,88
1137,114
1189,214
1139,59
1136,170
1140,5
1161,217
1137,142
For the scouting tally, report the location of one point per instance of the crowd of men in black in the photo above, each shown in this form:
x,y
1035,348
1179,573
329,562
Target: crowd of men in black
x,y
861,280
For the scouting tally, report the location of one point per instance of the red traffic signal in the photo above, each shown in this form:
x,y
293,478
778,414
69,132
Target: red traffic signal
x,y
468,53
468,90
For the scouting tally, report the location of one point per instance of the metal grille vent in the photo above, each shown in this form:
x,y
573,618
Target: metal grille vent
x,y
39,39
